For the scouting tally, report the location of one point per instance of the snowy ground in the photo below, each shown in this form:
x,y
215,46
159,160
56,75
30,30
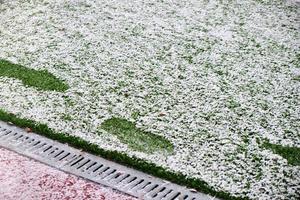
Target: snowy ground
x,y
213,77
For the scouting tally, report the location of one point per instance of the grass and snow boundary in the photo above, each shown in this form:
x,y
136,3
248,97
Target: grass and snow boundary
x,y
215,78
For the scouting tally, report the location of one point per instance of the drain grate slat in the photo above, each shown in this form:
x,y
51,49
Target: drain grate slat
x,y
27,143
82,165
138,184
132,184
111,176
8,134
120,178
154,193
58,154
38,146
127,181
162,194
61,156
94,168
69,159
150,188
141,186
172,196
101,170
16,137
107,173
76,161
52,152
89,166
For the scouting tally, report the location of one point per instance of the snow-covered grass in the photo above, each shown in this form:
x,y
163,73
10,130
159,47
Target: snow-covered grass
x,y
215,78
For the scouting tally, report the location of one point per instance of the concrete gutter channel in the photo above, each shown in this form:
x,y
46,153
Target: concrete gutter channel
x,y
94,168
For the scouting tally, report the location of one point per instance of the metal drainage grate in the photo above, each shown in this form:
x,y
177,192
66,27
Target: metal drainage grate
x,y
91,167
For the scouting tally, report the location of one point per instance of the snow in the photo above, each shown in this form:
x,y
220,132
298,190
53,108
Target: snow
x,y
221,72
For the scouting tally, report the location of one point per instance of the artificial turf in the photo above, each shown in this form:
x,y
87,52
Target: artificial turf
x,y
39,79
136,138
291,154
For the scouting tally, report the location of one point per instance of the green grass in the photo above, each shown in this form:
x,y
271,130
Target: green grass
x,y
41,80
136,138
291,154
296,78
118,157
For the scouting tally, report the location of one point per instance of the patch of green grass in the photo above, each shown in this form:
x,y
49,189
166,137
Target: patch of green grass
x,y
291,154
121,158
188,58
135,115
41,80
232,104
134,137
67,117
296,78
297,60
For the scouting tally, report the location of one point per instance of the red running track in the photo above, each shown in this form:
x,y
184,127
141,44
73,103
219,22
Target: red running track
x,y
22,178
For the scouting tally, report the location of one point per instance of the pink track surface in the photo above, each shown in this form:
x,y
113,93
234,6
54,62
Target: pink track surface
x,y
22,178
